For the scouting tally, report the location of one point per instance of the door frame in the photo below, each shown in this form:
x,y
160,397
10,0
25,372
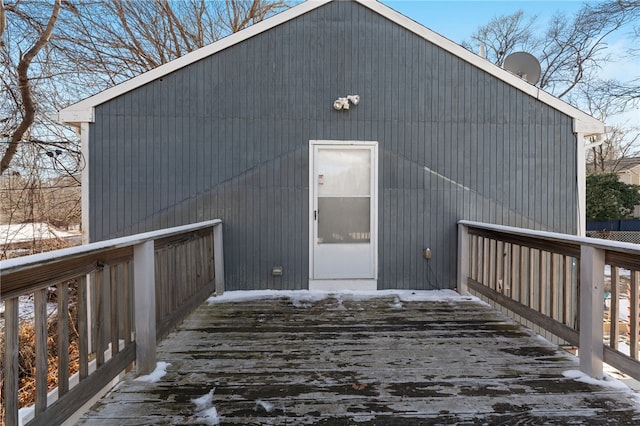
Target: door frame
x,y
367,284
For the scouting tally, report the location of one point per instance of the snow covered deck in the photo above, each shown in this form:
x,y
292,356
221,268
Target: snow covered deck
x,y
397,358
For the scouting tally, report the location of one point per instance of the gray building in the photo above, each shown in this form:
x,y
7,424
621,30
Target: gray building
x,y
336,140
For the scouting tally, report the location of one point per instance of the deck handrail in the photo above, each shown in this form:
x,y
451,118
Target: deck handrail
x,y
557,282
130,292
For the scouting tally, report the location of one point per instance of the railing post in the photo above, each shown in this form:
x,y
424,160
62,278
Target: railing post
x,y
463,258
145,310
591,310
218,259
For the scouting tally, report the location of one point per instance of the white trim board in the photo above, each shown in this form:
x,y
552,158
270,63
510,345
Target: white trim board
x,y
83,110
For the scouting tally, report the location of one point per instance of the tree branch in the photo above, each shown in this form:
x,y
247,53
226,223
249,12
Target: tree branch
x,y
25,89
3,22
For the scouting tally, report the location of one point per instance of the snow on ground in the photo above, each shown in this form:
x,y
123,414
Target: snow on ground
x,y
621,272
265,405
26,310
156,375
607,382
21,232
207,413
302,297
208,417
205,401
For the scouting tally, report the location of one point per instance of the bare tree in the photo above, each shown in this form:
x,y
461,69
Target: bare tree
x,y
113,40
619,143
234,16
27,103
96,44
3,22
571,49
55,52
503,34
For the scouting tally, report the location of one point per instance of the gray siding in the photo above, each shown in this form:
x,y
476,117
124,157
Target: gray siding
x,y
228,137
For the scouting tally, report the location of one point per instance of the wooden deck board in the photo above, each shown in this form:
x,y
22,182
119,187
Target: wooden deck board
x,y
377,361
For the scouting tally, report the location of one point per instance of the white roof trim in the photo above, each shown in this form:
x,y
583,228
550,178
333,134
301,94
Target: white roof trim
x,y
83,110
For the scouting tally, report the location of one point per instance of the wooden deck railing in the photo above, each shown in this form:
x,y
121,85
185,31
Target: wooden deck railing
x,y
558,283
114,299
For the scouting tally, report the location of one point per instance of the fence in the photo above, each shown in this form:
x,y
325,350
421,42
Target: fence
x,y
558,282
125,294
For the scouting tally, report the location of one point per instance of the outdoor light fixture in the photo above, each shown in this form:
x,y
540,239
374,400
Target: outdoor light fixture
x,y
343,103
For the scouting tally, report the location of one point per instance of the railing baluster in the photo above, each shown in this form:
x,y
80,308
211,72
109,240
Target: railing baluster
x,y
83,344
566,289
492,264
499,274
473,256
578,290
532,278
482,259
543,281
553,286
523,275
614,306
515,274
98,324
634,301
63,338
199,263
192,267
40,321
114,325
123,303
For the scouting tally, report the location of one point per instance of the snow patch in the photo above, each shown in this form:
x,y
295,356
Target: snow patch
x,y
361,418
24,232
396,303
267,406
339,306
156,375
208,417
305,298
205,401
207,413
607,381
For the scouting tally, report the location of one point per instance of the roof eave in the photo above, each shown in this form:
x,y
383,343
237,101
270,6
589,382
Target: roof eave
x,y
74,115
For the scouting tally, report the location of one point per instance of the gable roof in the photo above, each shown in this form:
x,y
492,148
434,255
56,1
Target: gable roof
x,y
628,163
617,166
83,111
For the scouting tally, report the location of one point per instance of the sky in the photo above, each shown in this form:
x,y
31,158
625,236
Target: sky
x,y
458,19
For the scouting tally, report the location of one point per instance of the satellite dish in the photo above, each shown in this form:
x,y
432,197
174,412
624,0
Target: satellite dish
x,y
524,65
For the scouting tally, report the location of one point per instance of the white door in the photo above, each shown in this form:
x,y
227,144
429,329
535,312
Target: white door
x,y
343,202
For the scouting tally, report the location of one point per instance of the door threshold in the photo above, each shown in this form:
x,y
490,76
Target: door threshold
x,y
341,285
